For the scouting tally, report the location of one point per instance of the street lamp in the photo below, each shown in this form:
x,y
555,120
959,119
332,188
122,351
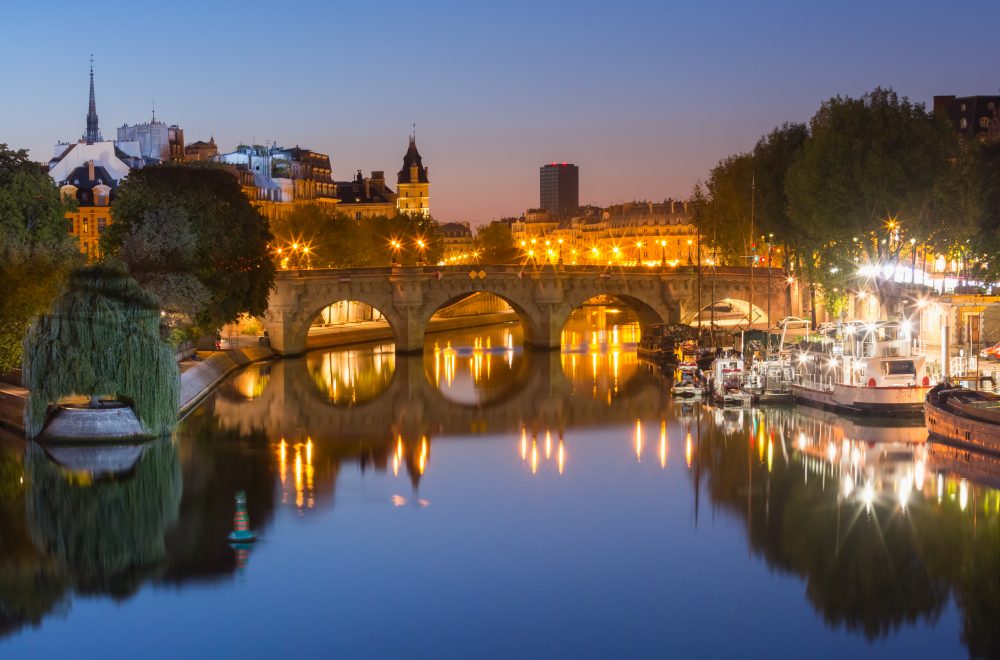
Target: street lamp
x,y
560,251
421,245
663,253
690,261
395,246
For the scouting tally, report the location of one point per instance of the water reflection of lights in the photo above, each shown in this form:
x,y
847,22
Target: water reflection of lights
x,y
688,449
638,440
534,457
352,376
663,444
302,473
422,460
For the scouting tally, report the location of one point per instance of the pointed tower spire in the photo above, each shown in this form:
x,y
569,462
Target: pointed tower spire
x,y
93,133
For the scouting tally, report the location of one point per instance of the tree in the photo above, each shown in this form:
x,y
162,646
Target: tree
x,y
161,255
309,236
496,243
865,177
726,211
231,256
101,337
36,252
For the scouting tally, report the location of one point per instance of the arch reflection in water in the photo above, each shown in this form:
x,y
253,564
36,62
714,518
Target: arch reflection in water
x,y
352,376
476,366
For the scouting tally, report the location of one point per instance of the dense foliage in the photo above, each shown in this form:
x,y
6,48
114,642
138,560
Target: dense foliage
x,y
36,252
230,253
872,181
311,237
495,243
101,337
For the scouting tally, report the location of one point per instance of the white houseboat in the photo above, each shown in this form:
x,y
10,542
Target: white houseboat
x,y
863,368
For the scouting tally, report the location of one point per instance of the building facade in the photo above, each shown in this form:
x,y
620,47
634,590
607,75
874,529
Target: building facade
x,y
973,116
366,196
457,242
412,183
283,178
630,234
559,188
89,172
158,143
201,150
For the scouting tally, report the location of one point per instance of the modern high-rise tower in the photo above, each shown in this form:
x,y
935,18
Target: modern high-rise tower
x,y
559,187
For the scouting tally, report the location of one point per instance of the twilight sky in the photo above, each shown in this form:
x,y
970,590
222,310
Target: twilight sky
x,y
644,97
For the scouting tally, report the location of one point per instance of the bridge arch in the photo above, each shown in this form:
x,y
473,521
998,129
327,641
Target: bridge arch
x,y
440,300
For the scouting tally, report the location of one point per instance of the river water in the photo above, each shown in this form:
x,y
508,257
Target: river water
x,y
485,501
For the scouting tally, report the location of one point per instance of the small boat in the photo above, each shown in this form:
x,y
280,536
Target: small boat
x,y
658,344
690,381
863,368
770,381
727,382
964,417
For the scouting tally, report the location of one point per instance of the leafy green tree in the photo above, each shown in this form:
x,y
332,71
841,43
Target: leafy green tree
x,y
101,337
865,178
726,211
496,243
416,235
231,256
320,239
161,255
772,157
36,252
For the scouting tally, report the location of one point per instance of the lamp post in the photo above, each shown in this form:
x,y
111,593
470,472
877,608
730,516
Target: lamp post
x,y
913,261
560,251
690,260
663,253
421,246
638,253
395,246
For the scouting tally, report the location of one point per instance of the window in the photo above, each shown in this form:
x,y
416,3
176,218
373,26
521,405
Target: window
x,y
102,224
86,226
984,122
898,368
963,123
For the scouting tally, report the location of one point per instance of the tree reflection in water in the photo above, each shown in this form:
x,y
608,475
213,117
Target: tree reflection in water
x,y
880,532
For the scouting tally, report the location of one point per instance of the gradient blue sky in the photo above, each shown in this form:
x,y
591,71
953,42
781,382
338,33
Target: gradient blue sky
x,y
644,97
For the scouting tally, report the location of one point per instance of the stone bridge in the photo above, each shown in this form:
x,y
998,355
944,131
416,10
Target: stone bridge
x,y
540,397
543,297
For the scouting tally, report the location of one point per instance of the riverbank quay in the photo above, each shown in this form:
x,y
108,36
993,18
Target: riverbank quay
x,y
198,378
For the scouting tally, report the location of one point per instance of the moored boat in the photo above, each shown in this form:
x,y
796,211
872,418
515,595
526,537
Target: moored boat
x,y
964,417
690,381
727,381
863,368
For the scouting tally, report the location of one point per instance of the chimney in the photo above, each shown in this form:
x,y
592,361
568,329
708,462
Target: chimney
x,y
368,188
90,170
672,207
378,180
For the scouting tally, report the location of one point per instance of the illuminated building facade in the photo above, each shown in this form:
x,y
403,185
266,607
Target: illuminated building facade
x,y
283,177
89,171
456,239
413,184
559,188
366,196
634,233
201,150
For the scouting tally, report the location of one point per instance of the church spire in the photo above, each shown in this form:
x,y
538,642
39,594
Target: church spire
x,y
93,133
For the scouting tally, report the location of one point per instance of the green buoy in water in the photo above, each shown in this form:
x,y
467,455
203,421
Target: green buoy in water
x,y
241,521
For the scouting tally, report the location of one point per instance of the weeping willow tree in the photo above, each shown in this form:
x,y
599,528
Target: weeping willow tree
x,y
101,338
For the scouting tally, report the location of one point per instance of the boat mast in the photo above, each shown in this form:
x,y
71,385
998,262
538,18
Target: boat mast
x,y
697,227
753,250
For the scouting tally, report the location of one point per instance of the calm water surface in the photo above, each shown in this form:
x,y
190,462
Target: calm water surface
x,y
481,501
